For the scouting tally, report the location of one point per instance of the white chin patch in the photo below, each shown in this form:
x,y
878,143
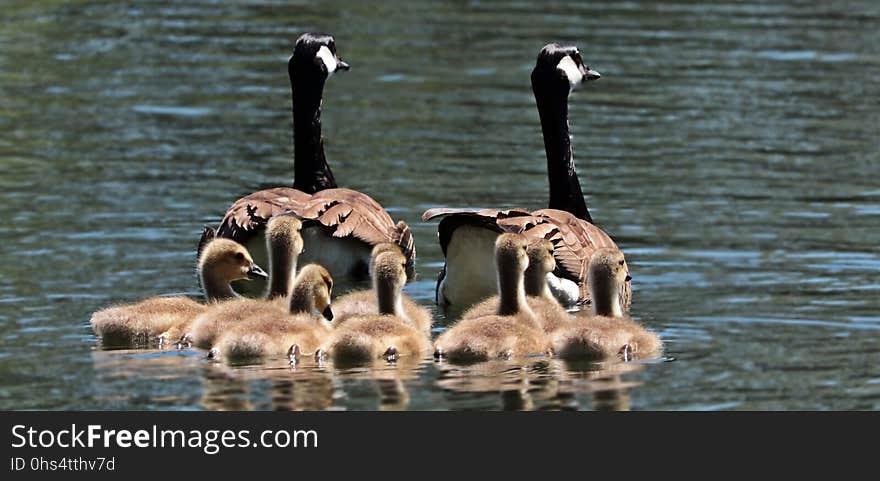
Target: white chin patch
x,y
328,58
571,70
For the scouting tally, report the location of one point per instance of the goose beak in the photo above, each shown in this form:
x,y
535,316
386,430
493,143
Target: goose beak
x,y
327,313
256,272
628,278
343,66
591,74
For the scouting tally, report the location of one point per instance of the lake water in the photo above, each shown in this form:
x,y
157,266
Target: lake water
x,y
731,149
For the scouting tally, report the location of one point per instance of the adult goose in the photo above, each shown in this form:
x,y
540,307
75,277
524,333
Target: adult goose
x,y
467,236
340,226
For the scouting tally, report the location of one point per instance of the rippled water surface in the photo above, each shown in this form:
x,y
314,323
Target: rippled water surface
x,y
731,149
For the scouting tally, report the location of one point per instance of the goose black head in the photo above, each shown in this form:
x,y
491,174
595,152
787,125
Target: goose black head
x,y
315,54
561,66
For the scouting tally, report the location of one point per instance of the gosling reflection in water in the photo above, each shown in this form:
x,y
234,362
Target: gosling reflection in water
x,y
606,382
520,386
272,385
545,384
222,390
389,379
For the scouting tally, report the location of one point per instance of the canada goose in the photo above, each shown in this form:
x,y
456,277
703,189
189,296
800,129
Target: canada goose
x,y
340,225
513,329
300,331
284,244
549,313
221,261
608,333
467,236
386,328
366,301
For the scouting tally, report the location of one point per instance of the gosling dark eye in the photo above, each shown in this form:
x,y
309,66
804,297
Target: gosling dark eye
x,y
620,263
239,256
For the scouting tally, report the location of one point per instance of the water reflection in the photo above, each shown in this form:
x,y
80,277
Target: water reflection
x,y
389,380
275,385
541,384
171,379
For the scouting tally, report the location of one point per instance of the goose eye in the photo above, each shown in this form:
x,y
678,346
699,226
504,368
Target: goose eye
x,y
620,263
239,256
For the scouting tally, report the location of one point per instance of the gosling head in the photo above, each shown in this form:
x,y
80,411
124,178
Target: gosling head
x,y
511,252
315,53
561,66
607,275
379,249
315,282
388,266
229,261
541,263
541,257
609,265
285,228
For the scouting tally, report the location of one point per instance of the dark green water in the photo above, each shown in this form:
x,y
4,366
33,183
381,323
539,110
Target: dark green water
x,y
730,148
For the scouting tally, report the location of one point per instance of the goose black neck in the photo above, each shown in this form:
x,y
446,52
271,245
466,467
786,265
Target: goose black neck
x,y
565,189
311,172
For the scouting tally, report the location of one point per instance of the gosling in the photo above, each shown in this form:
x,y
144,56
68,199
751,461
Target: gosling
x,y
284,244
608,333
387,328
221,262
301,331
366,301
513,329
549,313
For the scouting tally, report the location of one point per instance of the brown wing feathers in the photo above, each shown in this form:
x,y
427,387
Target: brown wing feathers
x,y
574,240
250,213
347,212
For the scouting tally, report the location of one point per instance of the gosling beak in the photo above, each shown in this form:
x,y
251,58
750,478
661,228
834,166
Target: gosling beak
x,y
256,272
628,278
327,313
591,74
340,65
